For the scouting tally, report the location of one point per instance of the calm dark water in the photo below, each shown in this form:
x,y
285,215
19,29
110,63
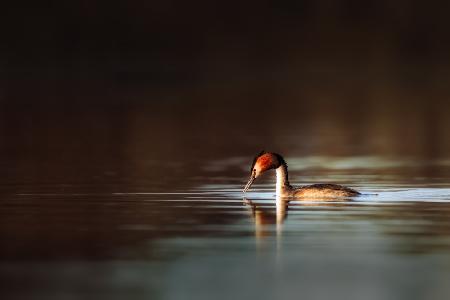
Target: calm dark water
x,y
187,233
142,200
127,132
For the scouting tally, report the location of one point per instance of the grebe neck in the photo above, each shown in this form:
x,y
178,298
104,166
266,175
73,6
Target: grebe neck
x,y
283,187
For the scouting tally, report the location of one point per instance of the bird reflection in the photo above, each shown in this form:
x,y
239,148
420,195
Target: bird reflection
x,y
269,223
426,219
263,217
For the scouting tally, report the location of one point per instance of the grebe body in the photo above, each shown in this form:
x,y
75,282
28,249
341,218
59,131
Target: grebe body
x,y
266,161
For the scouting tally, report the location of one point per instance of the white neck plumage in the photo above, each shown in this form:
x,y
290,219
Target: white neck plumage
x,y
283,186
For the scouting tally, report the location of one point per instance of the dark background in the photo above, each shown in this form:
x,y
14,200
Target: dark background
x,y
127,129
173,79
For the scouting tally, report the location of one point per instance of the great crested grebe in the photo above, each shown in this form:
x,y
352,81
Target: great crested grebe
x,y
266,161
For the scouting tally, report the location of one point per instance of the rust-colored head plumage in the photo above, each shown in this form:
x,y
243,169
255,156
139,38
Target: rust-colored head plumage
x,y
261,163
266,161
255,159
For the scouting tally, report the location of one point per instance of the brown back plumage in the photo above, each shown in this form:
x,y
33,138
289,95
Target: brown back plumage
x,y
325,190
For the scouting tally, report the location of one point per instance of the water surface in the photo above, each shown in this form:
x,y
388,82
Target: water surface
x,y
191,234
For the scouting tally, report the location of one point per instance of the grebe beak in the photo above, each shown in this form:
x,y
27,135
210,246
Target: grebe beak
x,y
249,183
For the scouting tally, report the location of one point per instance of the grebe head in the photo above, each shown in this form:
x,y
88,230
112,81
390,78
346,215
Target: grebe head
x,y
263,162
